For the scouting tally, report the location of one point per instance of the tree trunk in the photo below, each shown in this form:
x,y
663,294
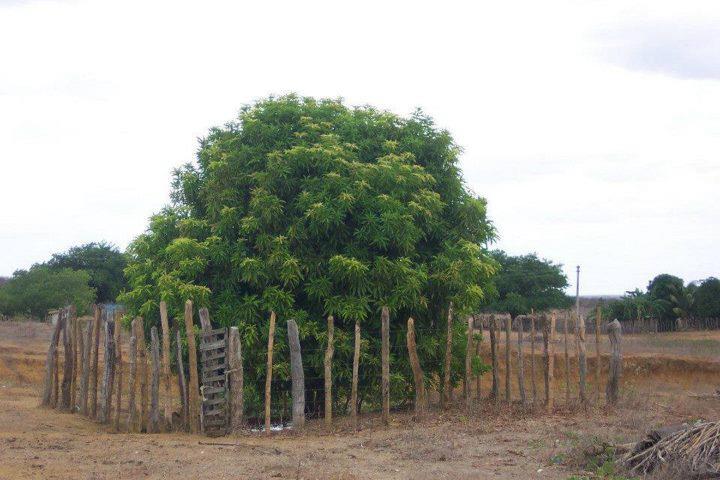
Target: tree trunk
x,y
582,357
418,375
167,401
297,375
51,362
445,399
613,386
385,351
495,393
268,372
468,365
97,321
520,320
508,361
154,423
548,324
356,371
132,381
329,352
182,383
194,386
118,371
106,387
236,381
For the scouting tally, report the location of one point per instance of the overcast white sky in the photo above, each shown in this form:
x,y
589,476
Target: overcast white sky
x,y
592,127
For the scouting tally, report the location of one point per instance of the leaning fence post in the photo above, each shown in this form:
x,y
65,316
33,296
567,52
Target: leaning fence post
x,y
445,399
167,410
182,383
508,361
85,379
468,364
582,357
194,387
268,372
118,370
154,423
495,393
297,375
613,385
417,370
106,387
385,351
533,383
548,325
236,381
97,320
50,362
355,373
520,322
598,319
132,381
330,350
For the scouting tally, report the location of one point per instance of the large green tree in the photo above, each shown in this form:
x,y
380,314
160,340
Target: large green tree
x,y
102,261
706,295
33,292
311,208
666,292
527,282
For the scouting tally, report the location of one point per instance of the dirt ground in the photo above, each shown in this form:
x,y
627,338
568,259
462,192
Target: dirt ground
x,y
491,442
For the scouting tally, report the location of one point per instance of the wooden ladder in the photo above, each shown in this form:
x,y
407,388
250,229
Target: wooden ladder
x,y
213,348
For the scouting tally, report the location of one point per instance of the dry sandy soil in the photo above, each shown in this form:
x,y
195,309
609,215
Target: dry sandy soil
x,y
505,442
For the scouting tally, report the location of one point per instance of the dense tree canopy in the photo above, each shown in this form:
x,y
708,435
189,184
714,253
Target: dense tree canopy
x,y
527,282
310,208
706,298
102,261
33,292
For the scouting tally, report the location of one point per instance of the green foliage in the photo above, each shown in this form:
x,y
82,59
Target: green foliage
x,y
527,282
661,291
706,297
103,262
310,208
35,291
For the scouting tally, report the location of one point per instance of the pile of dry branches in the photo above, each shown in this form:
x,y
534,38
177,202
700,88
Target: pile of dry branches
x,y
694,448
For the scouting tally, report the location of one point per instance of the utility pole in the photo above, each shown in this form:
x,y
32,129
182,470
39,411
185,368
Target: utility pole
x,y
577,292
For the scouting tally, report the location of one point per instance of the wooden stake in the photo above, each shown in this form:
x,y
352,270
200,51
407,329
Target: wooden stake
x,y
418,375
478,353
268,372
598,319
79,349
495,393
76,363
582,357
613,385
356,371
85,380
329,352
567,362
69,366
154,420
51,363
445,399
520,320
132,383
508,362
182,383
194,387
297,375
106,386
468,365
385,351
533,384
118,369
167,403
97,320
142,373
236,381
548,324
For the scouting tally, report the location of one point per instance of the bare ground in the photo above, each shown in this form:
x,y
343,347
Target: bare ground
x,y
504,442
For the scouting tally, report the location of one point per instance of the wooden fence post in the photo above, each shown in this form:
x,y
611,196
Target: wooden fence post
x,y
85,379
508,361
154,421
418,375
445,398
613,385
97,321
236,381
468,365
74,349
69,366
356,371
142,373
132,381
329,352
533,384
478,353
51,362
194,387
118,369
548,325
598,319
182,383
495,393
79,350
385,351
520,322
106,387
297,375
268,373
567,362
167,406
582,357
